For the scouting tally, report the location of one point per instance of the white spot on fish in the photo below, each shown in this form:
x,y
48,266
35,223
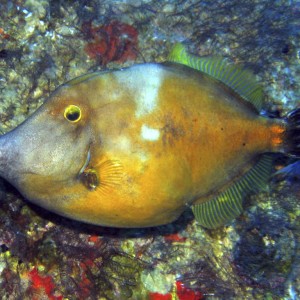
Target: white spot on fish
x,y
143,156
149,134
145,81
124,144
120,143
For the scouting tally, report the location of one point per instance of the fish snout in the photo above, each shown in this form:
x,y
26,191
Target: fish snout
x,y
36,156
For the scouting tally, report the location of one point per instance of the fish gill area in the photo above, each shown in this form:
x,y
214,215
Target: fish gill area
x,y
43,256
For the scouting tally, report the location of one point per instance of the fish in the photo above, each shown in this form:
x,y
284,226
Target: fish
x,y
136,147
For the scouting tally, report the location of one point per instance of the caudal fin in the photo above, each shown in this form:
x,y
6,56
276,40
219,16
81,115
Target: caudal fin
x,y
292,134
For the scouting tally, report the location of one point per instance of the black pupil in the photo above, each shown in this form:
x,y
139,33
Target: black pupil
x,y
73,115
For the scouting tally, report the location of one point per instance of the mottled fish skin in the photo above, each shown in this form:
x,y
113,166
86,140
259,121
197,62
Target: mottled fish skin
x,y
152,139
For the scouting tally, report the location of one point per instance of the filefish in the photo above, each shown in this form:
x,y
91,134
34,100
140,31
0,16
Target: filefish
x,y
135,147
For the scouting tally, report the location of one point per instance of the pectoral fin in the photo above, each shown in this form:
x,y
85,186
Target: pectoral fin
x,y
104,176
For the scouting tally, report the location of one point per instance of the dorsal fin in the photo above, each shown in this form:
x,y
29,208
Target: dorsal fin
x,y
81,78
227,205
238,79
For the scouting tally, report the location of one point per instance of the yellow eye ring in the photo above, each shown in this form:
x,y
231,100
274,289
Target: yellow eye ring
x,y
72,113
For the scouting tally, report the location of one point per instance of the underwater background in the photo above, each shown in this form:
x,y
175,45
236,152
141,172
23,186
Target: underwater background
x,y
44,256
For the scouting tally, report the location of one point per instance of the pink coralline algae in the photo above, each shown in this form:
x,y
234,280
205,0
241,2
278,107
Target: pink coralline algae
x,y
115,41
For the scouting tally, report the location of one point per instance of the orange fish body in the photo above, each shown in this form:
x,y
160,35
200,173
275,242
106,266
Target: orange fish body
x,y
135,147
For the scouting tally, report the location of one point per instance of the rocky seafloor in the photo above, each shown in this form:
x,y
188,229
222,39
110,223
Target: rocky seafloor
x,y
43,256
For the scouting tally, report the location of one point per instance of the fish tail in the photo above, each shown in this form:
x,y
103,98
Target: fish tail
x,y
292,133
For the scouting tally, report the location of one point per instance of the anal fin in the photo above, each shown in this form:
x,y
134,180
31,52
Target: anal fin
x,y
227,205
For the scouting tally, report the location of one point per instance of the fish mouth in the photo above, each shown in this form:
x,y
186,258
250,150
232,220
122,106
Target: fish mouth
x,y
86,163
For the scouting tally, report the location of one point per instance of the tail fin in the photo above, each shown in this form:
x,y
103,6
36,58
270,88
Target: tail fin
x,y
292,134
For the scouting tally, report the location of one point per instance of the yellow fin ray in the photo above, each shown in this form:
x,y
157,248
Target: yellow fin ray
x,y
110,175
104,176
228,204
81,78
240,80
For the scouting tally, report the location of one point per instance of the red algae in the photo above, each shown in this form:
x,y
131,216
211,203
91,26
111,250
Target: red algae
x,y
158,296
42,286
85,283
115,41
174,237
185,293
3,34
182,293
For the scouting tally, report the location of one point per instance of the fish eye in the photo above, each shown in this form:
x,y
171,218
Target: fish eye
x,y
72,113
